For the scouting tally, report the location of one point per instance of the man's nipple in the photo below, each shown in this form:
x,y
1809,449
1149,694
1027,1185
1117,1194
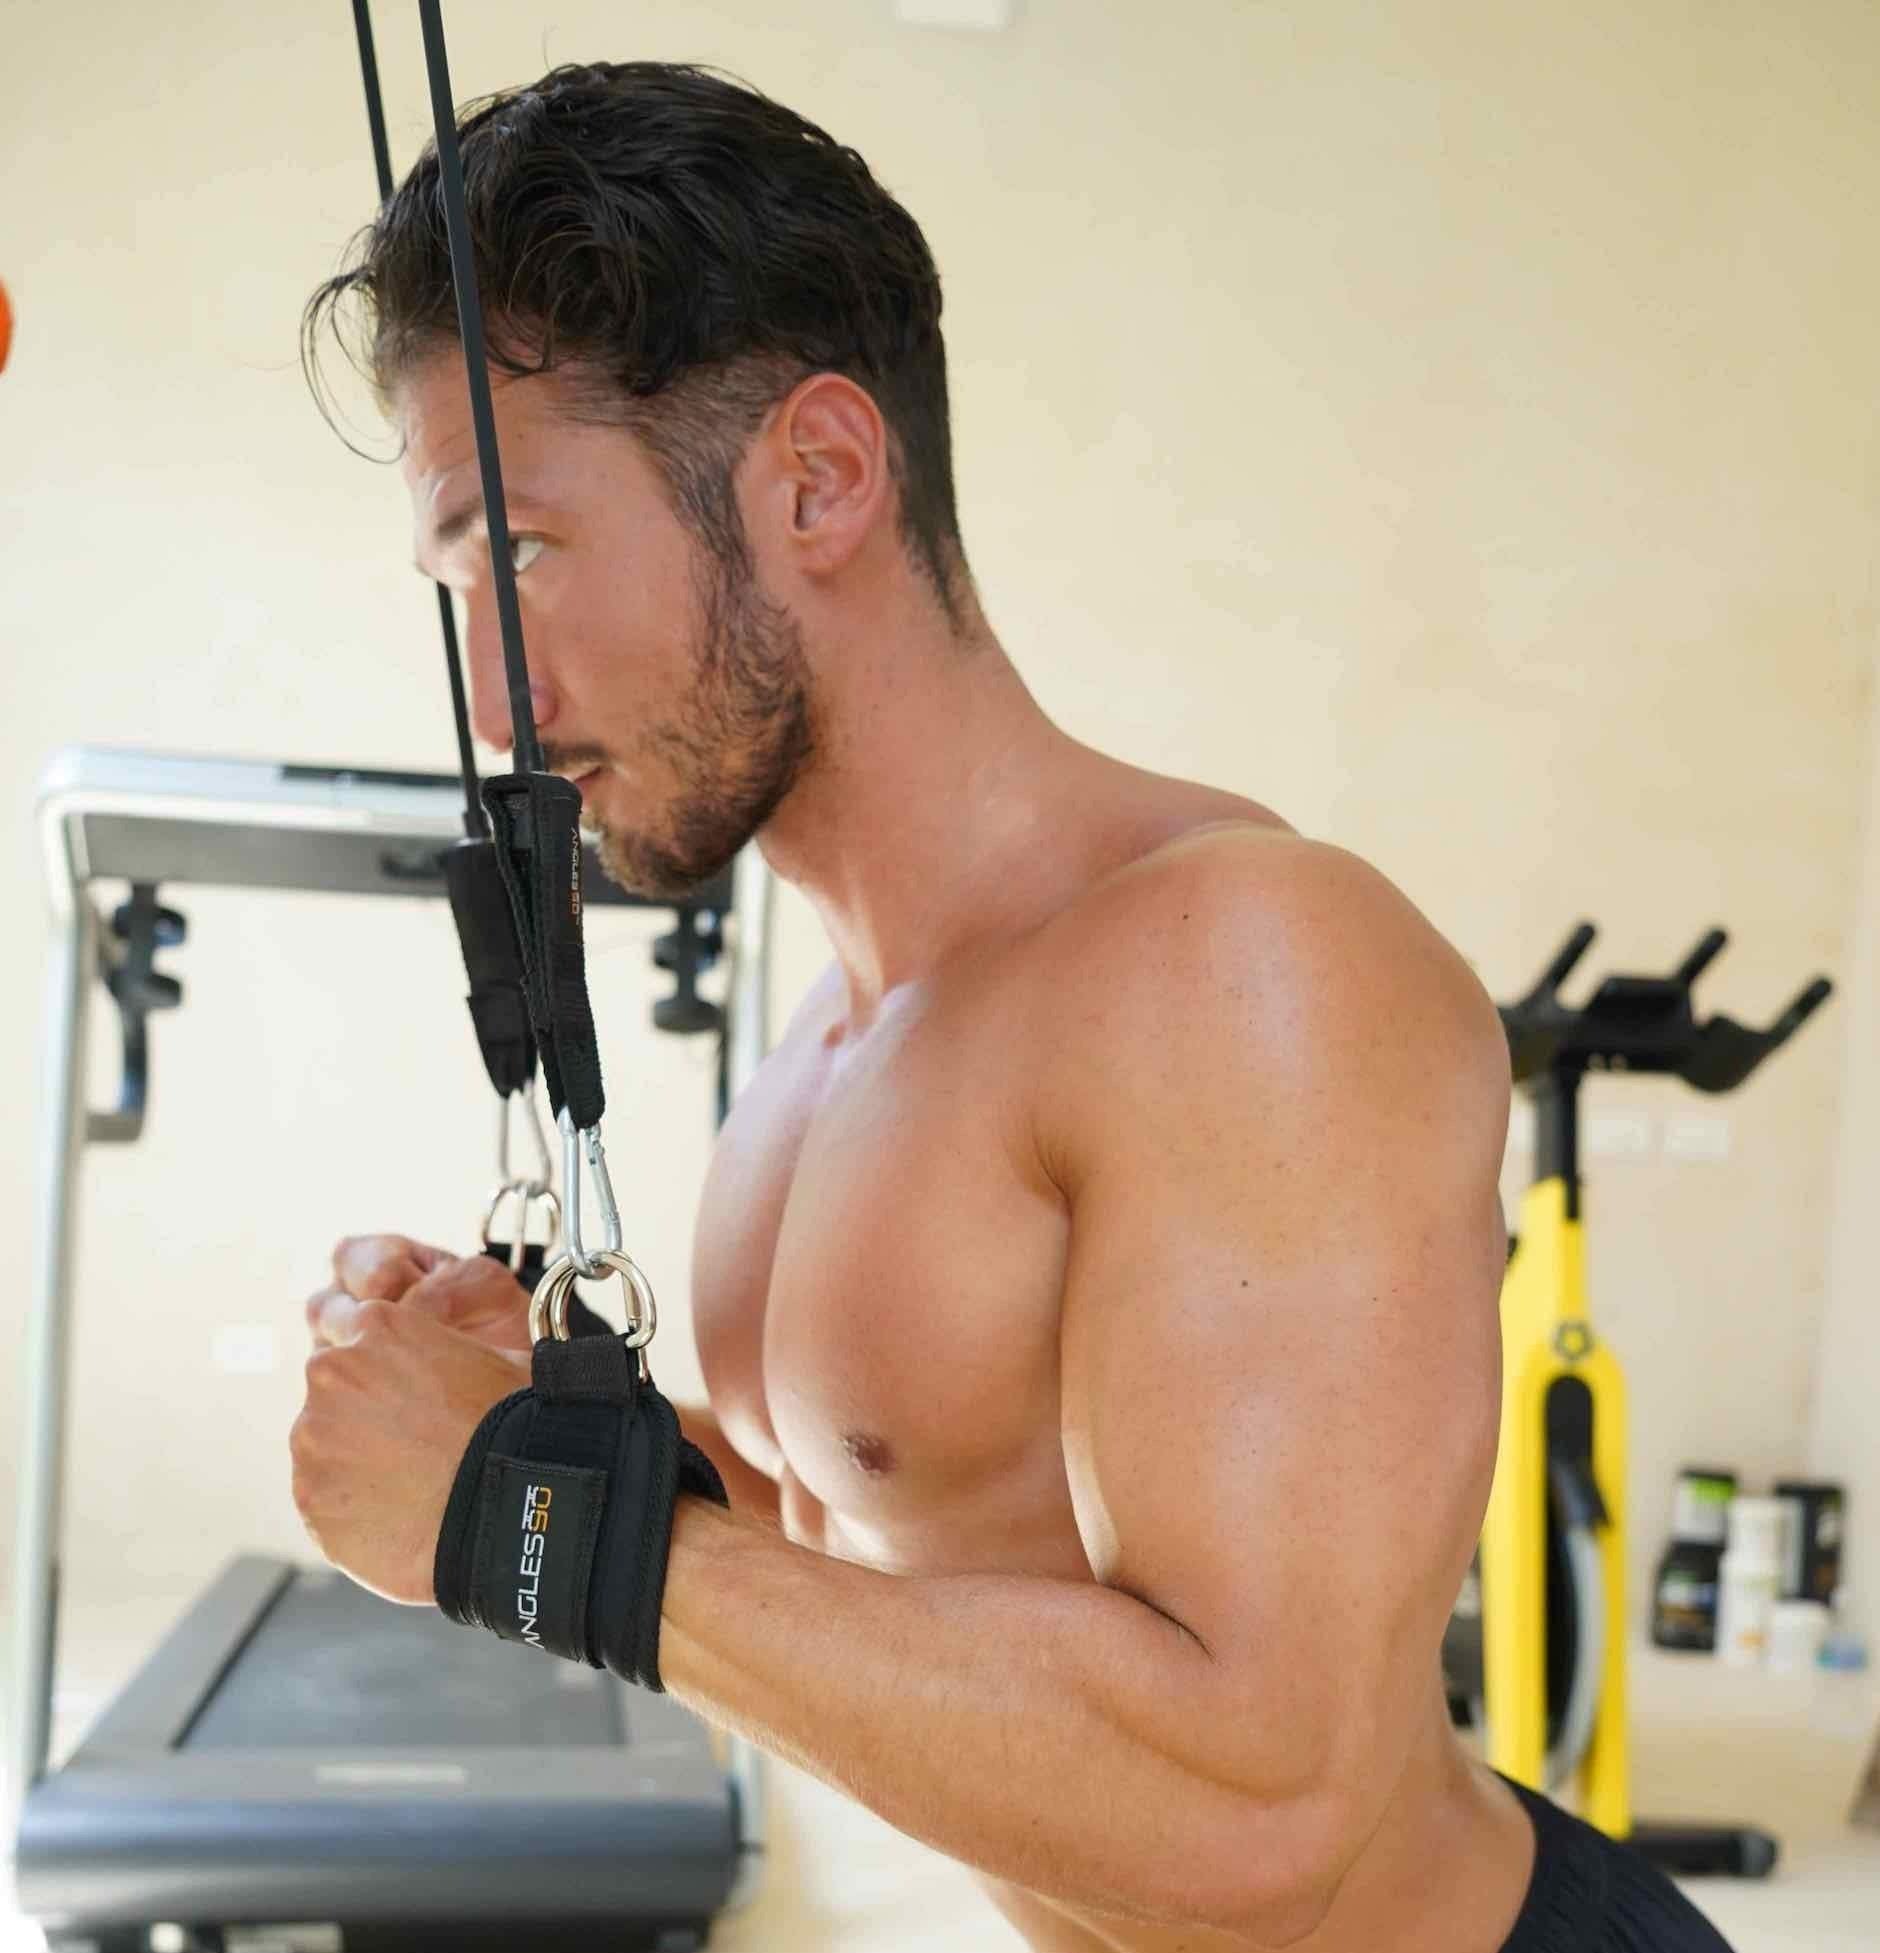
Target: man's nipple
x,y
868,1454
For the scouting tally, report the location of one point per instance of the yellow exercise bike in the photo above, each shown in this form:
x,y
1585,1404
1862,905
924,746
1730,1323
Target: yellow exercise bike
x,y
1536,1652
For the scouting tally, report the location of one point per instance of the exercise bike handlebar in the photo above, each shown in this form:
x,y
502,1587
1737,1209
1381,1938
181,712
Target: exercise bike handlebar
x,y
1701,958
1727,1052
1800,1011
1565,961
1539,1023
1648,1024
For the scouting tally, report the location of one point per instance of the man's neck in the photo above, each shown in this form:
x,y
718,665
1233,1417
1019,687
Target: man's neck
x,y
939,807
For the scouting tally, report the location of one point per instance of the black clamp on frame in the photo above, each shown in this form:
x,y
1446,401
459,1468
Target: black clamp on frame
x,y
689,949
140,927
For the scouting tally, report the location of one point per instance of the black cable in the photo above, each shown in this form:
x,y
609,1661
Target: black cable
x,y
475,822
375,101
528,748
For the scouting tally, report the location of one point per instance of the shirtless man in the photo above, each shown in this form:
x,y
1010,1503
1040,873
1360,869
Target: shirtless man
x,y
1096,1289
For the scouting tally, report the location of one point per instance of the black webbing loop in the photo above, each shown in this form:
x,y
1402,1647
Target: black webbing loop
x,y
536,819
486,929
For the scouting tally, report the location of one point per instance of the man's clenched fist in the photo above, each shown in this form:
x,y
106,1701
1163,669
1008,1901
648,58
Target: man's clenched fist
x,y
411,1346
472,1294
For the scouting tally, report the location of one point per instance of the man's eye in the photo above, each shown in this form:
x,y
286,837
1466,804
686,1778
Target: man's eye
x,y
523,550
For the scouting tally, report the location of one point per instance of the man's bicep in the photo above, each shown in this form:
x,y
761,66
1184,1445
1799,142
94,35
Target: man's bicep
x,y
1280,1356
1290,1466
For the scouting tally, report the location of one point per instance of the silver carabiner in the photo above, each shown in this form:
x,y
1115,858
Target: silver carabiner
x,y
527,1194
545,1166
573,1144
548,1307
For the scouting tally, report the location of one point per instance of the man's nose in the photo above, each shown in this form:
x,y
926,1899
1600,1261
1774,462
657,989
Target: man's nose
x,y
490,717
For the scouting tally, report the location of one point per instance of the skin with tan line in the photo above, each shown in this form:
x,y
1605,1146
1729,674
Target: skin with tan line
x,y
1096,1288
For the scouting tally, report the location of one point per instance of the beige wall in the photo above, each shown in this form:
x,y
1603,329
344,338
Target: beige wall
x,y
1450,422
1847,1382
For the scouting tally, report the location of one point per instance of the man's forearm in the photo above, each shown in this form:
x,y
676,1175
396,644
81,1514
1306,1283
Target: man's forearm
x,y
750,1491
1055,1734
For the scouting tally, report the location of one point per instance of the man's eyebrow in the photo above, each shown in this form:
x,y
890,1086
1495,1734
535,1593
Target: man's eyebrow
x,y
453,529
457,524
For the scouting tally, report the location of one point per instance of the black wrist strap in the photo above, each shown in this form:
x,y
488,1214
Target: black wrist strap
x,y
560,1520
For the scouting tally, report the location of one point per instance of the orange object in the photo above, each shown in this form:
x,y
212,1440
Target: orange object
x,y
6,328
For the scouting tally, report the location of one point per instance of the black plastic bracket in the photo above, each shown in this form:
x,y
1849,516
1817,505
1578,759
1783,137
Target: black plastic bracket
x,y
139,928
688,951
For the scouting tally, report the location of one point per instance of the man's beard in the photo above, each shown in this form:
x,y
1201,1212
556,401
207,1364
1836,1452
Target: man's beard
x,y
736,747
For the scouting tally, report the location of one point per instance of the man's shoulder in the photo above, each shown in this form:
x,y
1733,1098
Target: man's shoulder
x,y
1247,933
1253,893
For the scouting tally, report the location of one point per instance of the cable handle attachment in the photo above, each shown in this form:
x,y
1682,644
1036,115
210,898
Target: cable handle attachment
x,y
542,1181
524,1196
577,1145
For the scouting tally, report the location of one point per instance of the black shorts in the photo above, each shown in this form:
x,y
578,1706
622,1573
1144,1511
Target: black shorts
x,y
1591,1895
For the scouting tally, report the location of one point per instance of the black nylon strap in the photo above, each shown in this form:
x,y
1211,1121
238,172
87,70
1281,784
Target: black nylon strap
x,y
536,819
583,1321
486,929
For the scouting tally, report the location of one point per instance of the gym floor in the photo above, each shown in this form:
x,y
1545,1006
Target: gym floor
x,y
1709,1742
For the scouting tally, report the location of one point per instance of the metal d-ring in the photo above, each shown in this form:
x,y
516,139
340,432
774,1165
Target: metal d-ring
x,y
525,1193
548,1308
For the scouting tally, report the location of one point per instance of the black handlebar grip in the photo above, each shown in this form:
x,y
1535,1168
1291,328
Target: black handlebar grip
x,y
1571,951
1800,1011
1701,958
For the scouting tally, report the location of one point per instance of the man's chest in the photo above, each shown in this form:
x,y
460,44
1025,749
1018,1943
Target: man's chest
x,y
878,1289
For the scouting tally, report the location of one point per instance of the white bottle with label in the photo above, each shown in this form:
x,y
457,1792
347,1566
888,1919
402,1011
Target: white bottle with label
x,y
1749,1580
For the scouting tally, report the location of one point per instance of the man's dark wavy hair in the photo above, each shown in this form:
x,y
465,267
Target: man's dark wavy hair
x,y
684,250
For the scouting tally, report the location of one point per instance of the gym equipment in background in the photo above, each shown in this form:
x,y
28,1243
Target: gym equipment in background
x,y
1545,1659
298,1750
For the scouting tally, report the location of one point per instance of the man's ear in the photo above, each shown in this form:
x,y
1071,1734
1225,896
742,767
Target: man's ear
x,y
834,482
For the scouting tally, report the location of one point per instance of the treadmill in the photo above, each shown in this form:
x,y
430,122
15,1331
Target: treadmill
x,y
302,1767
